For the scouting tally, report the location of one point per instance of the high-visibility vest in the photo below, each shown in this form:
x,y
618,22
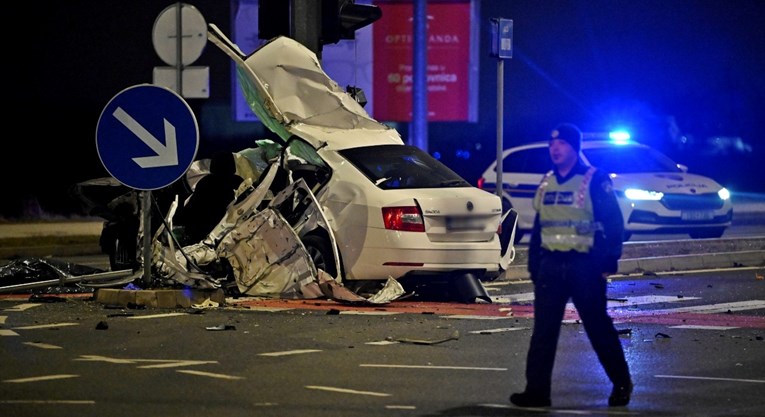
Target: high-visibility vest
x,y
565,213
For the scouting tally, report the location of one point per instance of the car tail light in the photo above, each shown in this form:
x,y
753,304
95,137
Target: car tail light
x,y
480,182
408,219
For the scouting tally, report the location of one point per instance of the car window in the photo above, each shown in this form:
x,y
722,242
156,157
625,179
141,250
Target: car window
x,y
532,160
402,166
629,159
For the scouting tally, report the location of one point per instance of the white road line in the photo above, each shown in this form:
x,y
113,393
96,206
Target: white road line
x,y
7,332
369,313
157,363
715,308
700,327
348,391
382,342
42,345
458,368
707,378
72,402
45,326
41,378
176,363
475,317
210,374
400,407
22,307
289,352
154,316
499,330
2,319
649,299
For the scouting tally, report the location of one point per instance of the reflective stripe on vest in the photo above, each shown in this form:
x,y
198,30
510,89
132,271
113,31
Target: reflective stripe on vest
x,y
565,213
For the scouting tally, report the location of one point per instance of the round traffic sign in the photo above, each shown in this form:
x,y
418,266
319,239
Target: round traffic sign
x,y
147,137
193,34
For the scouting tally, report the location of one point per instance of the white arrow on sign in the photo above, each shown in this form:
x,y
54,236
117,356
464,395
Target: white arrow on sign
x,y
166,154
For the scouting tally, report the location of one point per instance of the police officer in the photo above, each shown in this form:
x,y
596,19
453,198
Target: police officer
x,y
575,244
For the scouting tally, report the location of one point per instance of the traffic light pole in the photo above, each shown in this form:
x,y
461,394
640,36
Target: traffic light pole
x,y
305,24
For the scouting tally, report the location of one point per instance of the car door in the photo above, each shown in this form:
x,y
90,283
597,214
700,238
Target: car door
x,y
523,169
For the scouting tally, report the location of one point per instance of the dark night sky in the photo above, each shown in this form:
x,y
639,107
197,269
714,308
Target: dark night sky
x,y
592,62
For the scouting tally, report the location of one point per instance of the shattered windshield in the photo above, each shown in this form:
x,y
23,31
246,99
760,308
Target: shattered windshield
x,y
402,166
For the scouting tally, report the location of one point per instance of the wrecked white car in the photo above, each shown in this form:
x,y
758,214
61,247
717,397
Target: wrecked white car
x,y
340,203
392,210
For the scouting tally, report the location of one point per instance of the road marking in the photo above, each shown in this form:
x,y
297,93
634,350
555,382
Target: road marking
x,y
702,327
158,363
369,313
499,330
708,378
73,402
7,332
648,299
458,368
400,407
154,316
210,374
41,378
289,352
348,391
2,319
45,326
22,307
42,345
382,342
475,317
715,308
177,363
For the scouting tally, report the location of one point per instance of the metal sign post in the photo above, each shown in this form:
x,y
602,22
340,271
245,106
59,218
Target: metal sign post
x,y
502,48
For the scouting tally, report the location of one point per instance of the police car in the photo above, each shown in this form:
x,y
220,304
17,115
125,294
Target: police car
x,y
656,195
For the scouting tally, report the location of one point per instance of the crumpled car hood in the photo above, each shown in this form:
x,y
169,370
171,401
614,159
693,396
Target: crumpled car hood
x,y
285,86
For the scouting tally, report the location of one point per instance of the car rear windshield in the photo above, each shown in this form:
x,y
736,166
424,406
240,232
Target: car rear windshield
x,y
629,160
402,166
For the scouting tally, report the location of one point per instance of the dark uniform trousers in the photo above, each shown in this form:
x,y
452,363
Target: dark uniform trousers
x,y
563,276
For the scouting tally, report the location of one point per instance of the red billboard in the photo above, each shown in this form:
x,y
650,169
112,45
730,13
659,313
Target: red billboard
x,y
452,64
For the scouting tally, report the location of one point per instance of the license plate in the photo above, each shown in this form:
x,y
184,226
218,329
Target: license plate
x,y
465,223
697,215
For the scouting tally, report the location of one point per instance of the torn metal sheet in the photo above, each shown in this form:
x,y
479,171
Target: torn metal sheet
x,y
267,257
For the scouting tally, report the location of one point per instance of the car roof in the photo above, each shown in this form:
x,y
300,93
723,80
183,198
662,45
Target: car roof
x,y
287,89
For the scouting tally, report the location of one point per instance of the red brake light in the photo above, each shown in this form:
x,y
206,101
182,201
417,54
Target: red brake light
x,y
407,219
480,182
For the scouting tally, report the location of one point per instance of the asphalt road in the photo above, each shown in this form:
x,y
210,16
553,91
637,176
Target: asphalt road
x,y
694,346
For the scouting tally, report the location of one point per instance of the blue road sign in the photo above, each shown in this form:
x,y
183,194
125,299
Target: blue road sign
x,y
147,137
502,38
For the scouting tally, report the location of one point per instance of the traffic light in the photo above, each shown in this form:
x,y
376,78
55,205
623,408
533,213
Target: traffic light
x,y
340,19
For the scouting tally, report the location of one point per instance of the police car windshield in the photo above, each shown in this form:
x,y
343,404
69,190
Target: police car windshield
x,y
629,159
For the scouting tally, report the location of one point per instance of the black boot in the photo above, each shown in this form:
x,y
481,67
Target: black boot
x,y
526,399
620,395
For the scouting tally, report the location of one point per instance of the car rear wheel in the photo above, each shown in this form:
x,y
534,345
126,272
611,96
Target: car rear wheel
x,y
321,253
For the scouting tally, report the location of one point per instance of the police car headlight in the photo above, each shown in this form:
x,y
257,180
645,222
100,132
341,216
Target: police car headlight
x,y
724,194
638,194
